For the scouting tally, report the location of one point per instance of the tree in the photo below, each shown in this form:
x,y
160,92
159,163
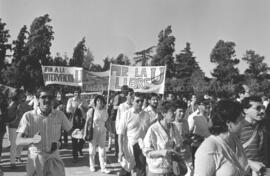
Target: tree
x,y
256,75
19,49
88,59
223,55
257,67
186,63
14,73
121,59
144,56
164,51
78,54
4,46
107,62
59,61
38,47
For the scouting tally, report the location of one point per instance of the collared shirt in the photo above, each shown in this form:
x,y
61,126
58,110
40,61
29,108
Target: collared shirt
x,y
254,150
49,127
153,114
123,107
133,126
156,139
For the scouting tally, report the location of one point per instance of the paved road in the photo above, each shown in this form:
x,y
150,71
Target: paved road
x,y
81,168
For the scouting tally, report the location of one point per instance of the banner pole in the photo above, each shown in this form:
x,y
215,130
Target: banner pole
x,y
109,87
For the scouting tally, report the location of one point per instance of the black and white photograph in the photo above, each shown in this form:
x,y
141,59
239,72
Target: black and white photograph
x,y
134,88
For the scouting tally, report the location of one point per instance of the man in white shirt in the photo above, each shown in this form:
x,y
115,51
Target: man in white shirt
x,y
152,107
199,124
76,102
40,129
123,107
133,126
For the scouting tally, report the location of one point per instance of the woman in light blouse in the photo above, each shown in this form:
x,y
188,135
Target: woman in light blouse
x,y
160,142
222,154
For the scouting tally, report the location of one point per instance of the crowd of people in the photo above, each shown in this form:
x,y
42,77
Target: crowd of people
x,y
149,134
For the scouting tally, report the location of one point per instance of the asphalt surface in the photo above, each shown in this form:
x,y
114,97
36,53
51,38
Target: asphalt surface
x,y
80,168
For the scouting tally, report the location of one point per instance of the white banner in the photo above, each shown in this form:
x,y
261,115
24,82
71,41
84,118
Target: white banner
x,y
145,79
71,76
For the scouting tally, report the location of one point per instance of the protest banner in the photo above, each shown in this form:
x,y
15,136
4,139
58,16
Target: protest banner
x,y
71,76
145,79
95,81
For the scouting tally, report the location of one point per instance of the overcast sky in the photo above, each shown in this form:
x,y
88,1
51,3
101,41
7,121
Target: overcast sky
x,y
112,27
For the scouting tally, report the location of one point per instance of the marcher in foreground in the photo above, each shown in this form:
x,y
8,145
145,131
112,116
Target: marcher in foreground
x,y
41,130
222,154
161,143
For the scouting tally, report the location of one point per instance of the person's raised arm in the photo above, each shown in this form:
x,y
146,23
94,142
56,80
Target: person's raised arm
x,y
21,140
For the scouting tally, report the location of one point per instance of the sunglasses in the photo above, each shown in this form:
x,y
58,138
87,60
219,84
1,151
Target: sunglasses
x,y
139,101
259,108
49,97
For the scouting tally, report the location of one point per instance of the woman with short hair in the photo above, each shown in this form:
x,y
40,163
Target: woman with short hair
x,y
161,141
99,115
222,154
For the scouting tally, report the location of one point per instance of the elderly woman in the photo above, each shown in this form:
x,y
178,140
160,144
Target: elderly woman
x,y
99,116
221,154
161,141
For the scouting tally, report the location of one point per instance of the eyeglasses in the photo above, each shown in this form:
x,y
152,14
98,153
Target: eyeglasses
x,y
259,108
139,101
49,97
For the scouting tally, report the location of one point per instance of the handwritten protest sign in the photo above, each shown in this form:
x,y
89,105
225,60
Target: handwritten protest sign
x,y
71,76
145,79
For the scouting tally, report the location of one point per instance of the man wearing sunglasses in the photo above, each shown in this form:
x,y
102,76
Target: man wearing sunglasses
x,y
40,129
252,134
132,128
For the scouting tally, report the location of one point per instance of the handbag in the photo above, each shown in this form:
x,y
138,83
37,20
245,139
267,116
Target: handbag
x,y
89,128
179,165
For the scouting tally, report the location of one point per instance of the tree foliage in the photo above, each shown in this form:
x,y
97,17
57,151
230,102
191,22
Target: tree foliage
x,y
38,48
164,51
13,75
186,63
256,75
257,68
4,46
78,54
88,59
121,59
223,55
144,56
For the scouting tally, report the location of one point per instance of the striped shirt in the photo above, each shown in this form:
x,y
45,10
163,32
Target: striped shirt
x,y
254,151
49,127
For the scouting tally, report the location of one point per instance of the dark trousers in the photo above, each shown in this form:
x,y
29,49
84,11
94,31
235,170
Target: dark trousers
x,y
140,160
193,151
77,146
116,145
140,167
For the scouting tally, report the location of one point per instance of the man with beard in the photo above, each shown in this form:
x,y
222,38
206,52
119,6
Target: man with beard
x,y
151,109
252,134
41,130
